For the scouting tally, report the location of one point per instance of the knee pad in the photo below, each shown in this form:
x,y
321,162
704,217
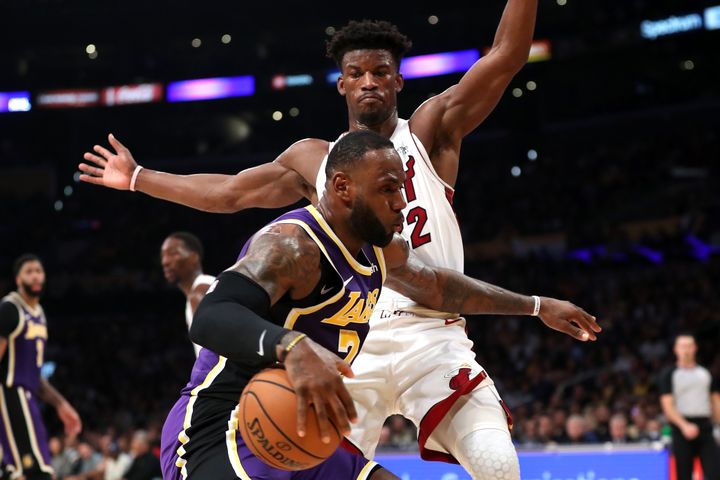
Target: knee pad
x,y
488,454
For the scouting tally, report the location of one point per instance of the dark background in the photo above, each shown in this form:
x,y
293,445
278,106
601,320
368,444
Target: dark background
x,y
625,128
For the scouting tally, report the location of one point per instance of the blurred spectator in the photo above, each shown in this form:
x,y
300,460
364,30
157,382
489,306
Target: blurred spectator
x,y
145,465
64,456
619,429
576,431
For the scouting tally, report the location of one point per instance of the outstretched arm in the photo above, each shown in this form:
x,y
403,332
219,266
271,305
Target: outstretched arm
x,y
442,121
272,185
450,291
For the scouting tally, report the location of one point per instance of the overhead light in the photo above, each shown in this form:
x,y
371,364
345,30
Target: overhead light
x,y
90,49
433,19
517,92
277,115
227,38
196,42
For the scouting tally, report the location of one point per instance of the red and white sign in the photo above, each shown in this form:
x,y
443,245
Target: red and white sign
x,y
132,94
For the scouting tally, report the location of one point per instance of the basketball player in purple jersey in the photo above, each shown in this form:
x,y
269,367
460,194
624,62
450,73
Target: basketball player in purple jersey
x,y
181,257
302,294
369,54
23,334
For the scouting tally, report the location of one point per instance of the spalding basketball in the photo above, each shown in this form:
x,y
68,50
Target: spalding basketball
x,y
268,424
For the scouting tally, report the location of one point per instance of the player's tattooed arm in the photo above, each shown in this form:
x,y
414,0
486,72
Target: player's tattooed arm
x,y
450,291
282,259
285,261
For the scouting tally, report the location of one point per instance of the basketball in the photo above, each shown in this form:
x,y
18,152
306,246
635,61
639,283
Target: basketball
x,y
268,424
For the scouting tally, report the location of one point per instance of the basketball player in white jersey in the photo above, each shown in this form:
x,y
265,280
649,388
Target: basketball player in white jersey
x,y
415,362
181,257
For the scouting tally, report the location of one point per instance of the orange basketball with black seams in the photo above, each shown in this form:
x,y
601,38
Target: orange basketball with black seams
x,y
268,424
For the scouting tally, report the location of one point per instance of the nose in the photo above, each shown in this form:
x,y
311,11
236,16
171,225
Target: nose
x,y
164,261
398,202
368,81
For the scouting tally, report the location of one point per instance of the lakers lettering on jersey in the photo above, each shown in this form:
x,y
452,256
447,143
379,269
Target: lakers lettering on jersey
x,y
336,314
431,228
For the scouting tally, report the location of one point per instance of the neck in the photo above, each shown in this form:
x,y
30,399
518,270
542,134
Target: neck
x,y
384,128
31,300
686,363
186,284
341,227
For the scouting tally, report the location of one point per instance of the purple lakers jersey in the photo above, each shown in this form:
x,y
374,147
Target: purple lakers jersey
x,y
335,314
20,366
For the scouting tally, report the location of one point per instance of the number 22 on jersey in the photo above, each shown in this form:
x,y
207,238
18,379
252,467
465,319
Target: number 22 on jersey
x,y
417,216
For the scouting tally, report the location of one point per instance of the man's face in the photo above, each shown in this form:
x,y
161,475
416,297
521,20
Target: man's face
x,y
31,278
369,82
376,210
685,348
177,260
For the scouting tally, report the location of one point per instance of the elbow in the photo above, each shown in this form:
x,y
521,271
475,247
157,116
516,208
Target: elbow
x,y
199,329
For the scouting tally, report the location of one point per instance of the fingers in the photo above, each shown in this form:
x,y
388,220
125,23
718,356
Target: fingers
x,y
344,369
104,152
91,170
322,418
339,415
116,143
302,404
91,179
95,159
347,403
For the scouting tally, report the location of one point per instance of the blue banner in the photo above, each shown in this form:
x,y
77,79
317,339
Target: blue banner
x,y
561,465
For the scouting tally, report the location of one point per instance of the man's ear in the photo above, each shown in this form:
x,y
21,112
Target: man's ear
x,y
341,185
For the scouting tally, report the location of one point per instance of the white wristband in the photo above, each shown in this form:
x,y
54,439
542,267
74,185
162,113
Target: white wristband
x,y
134,177
536,308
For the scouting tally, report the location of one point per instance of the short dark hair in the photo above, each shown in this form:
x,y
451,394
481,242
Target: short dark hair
x,y
22,260
192,242
685,333
351,148
368,34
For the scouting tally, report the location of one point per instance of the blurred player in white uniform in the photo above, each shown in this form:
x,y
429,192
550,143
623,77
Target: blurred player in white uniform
x,y
181,257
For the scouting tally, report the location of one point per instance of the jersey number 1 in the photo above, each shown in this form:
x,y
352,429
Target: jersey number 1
x,y
417,216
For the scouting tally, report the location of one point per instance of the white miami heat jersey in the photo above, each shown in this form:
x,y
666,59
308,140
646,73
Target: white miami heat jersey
x,y
431,227
201,279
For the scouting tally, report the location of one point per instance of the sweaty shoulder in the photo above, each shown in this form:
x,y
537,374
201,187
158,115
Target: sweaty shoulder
x,y
305,157
282,258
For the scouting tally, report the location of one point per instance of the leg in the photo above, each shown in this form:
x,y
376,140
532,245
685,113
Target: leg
x,y
25,434
476,433
683,455
373,392
709,452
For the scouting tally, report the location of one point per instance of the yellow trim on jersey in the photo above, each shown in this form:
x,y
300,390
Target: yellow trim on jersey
x,y
231,443
35,312
31,432
11,339
381,260
357,266
312,235
365,472
9,431
182,436
297,312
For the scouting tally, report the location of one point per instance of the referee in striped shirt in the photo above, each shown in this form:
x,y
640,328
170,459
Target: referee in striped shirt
x,y
690,399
